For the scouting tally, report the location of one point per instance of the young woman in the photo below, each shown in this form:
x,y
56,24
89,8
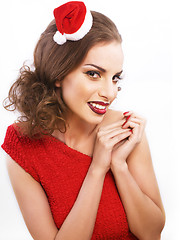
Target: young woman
x,y
80,170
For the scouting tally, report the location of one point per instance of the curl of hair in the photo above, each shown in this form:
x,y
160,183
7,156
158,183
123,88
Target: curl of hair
x,y
34,94
39,106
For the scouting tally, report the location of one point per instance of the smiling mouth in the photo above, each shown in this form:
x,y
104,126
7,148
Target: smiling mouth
x,y
98,107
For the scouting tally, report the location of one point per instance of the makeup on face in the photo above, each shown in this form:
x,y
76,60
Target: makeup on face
x,y
89,90
98,71
98,107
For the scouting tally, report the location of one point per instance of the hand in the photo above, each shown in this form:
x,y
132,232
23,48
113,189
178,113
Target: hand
x,y
107,137
122,150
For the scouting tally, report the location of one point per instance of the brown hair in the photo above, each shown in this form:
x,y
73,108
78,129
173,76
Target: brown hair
x,y
33,93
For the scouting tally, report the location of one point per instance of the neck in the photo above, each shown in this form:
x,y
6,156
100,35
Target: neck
x,y
79,130
79,135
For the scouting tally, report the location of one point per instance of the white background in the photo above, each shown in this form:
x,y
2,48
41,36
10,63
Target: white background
x,y
151,88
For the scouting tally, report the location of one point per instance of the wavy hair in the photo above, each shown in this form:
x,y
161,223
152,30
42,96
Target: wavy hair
x,y
34,95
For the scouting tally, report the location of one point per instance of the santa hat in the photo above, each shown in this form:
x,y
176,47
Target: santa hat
x,y
73,21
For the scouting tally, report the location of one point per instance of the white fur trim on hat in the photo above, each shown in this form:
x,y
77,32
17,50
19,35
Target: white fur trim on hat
x,y
83,30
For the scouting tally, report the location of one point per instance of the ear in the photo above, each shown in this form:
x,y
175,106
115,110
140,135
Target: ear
x,y
58,83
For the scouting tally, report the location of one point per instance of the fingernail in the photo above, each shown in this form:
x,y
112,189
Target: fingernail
x,y
128,117
131,130
124,123
125,113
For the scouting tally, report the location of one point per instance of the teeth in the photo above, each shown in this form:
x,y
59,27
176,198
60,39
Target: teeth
x,y
98,106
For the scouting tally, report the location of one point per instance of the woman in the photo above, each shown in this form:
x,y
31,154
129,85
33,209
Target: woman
x,y
80,170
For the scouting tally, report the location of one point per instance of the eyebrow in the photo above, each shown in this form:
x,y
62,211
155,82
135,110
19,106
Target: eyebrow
x,y
101,69
93,65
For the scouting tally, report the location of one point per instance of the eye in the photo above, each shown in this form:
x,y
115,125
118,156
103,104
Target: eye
x,y
117,78
93,74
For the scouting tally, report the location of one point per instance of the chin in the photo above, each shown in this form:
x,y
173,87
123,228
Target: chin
x,y
95,119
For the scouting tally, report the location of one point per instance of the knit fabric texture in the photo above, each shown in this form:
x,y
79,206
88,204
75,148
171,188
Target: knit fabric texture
x,y
61,171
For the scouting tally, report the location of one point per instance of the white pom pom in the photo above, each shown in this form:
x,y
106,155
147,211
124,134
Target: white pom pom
x,y
59,38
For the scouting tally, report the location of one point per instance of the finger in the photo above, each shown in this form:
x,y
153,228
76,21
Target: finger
x,y
140,121
137,130
118,138
111,126
132,114
131,125
112,133
128,116
136,120
125,114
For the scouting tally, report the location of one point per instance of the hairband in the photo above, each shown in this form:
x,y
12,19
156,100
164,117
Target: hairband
x,y
73,21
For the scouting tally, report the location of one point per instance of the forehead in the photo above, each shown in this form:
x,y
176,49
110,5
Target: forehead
x,y
106,55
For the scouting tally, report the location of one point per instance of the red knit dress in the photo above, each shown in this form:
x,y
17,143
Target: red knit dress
x,y
61,171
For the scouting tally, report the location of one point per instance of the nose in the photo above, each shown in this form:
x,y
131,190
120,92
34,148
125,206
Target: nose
x,y
108,90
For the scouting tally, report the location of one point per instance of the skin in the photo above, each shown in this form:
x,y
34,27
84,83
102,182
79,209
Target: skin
x,y
115,141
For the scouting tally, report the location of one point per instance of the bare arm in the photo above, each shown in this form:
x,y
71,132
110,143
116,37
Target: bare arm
x,y
79,224
34,206
134,178
137,185
80,221
139,193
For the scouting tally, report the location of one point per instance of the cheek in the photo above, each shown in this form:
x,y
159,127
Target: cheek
x,y
68,88
76,90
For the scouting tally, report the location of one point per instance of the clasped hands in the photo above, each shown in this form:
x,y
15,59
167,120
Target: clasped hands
x,y
116,141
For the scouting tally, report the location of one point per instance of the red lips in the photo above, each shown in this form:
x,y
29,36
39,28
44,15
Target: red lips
x,y
97,110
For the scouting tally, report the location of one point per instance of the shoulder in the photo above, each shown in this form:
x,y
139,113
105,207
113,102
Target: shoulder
x,y
15,129
21,149
14,136
113,114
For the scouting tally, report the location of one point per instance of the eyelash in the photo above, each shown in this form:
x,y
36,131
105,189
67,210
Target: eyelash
x,y
119,77
93,72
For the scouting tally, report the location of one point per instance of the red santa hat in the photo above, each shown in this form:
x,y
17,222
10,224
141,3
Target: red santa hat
x,y
73,21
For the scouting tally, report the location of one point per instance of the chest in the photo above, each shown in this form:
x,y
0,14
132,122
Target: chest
x,y
62,173
86,147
